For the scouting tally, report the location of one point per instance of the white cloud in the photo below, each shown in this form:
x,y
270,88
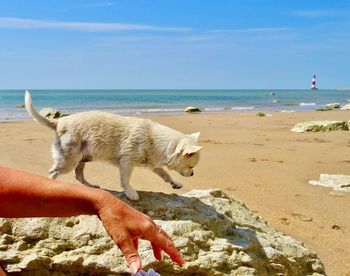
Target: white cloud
x,y
21,23
250,30
321,13
99,5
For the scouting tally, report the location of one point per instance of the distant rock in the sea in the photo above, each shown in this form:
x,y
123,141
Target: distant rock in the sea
x,y
275,101
333,105
52,113
337,182
192,109
315,126
216,235
271,94
20,105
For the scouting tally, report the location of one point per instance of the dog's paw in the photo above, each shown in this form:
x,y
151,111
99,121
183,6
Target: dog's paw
x,y
131,194
176,185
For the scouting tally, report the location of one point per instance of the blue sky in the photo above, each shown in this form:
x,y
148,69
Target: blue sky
x,y
177,44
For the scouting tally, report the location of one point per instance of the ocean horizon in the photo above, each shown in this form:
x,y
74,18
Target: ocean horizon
x,y
169,101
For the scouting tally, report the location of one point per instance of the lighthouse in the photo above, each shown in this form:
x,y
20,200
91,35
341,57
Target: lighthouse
x,y
313,83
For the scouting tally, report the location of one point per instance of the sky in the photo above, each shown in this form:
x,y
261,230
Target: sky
x,y
174,44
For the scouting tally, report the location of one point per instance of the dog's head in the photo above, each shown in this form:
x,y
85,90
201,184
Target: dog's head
x,y
186,155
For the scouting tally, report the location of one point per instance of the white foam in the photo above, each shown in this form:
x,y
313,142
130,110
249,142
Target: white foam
x,y
303,104
214,109
161,110
243,107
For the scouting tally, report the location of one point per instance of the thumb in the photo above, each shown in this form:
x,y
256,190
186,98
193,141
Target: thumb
x,y
131,255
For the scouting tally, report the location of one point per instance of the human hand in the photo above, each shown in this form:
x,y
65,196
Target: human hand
x,y
126,225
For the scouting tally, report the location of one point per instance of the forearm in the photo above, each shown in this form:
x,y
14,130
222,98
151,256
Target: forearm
x,y
27,195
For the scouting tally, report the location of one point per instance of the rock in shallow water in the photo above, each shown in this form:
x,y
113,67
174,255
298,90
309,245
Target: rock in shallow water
x,y
216,234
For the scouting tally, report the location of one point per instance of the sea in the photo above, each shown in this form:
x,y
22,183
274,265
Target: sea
x,y
140,102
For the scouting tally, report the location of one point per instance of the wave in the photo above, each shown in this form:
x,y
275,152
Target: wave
x,y
214,108
160,110
305,104
243,107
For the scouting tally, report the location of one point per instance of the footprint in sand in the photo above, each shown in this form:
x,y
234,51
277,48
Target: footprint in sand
x,y
302,217
284,221
336,227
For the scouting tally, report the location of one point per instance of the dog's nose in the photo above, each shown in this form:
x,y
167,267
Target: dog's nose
x,y
192,173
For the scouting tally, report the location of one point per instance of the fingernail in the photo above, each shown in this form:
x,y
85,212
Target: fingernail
x,y
134,267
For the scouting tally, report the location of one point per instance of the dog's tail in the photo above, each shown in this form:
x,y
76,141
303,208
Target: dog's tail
x,y
36,116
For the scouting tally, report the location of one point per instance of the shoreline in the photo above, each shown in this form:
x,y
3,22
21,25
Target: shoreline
x,y
255,159
169,102
179,112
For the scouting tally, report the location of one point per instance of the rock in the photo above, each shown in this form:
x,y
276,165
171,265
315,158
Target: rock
x,y
276,101
52,113
216,235
316,126
337,182
271,94
345,107
260,114
20,105
333,105
324,109
192,109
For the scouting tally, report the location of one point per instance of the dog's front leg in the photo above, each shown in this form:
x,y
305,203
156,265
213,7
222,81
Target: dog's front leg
x,y
125,172
167,178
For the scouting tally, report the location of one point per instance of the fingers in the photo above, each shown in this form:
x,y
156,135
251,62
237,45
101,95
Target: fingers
x,y
127,246
136,243
160,240
157,252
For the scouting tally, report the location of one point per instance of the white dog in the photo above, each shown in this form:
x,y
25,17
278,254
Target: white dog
x,y
123,141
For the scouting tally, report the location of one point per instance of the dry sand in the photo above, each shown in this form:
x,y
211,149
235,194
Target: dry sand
x,y
255,159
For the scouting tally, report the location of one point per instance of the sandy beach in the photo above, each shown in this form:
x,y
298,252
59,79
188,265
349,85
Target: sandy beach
x,y
255,159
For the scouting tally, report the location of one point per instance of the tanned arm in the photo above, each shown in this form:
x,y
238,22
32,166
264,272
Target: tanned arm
x,y
27,195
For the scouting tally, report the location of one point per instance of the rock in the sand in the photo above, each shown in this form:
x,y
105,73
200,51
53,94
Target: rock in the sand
x,y
333,105
216,235
52,113
345,107
337,182
316,126
192,109
324,109
260,114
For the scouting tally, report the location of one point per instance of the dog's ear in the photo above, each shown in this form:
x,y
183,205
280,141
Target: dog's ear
x,y
195,136
191,150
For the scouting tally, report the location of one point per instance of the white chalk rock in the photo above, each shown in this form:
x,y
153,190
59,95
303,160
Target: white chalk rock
x,y
345,107
216,235
337,182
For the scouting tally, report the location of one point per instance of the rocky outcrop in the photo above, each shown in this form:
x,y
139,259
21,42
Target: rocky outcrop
x,y
51,113
316,126
337,182
192,109
216,234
